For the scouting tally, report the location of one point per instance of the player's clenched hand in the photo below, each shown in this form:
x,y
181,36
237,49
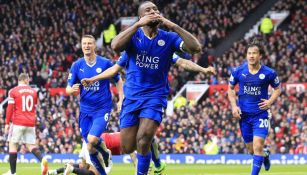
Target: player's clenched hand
x,y
236,112
86,82
210,70
148,18
265,104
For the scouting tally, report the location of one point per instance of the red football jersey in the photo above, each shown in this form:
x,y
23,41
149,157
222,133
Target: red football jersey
x,y
23,101
112,141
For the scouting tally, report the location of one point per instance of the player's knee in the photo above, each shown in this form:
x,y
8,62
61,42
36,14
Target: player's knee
x,y
144,142
90,148
258,148
128,149
250,150
92,140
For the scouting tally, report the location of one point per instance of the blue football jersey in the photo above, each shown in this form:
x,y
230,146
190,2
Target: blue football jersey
x,y
97,96
253,87
147,62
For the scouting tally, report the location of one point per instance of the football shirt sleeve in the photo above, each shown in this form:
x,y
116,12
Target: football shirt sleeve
x,y
233,80
9,109
72,77
177,42
116,77
123,60
274,80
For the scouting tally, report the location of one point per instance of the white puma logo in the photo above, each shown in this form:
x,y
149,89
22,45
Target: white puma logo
x,y
81,70
139,39
244,75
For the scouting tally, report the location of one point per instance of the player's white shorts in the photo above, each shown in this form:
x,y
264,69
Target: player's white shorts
x,y
84,154
22,134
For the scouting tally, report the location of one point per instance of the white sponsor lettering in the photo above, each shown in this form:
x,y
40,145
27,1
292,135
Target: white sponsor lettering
x,y
92,87
252,90
148,62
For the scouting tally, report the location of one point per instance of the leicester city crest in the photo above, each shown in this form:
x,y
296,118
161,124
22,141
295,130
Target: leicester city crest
x,y
98,70
161,42
261,76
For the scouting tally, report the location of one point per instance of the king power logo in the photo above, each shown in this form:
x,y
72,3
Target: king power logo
x,y
252,90
92,87
146,61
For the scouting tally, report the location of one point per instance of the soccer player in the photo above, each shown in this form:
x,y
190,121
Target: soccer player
x,y
112,141
149,53
20,122
95,101
254,79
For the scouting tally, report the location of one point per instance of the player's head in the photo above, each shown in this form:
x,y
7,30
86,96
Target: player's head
x,y
23,78
88,44
254,52
147,8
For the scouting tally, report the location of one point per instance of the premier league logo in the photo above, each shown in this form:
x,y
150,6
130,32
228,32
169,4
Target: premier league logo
x,y
276,80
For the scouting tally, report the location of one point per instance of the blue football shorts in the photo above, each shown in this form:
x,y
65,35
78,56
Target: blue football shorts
x,y
133,110
93,123
254,125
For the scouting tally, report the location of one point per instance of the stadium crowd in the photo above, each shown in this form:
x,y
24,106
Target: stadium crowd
x,y
42,39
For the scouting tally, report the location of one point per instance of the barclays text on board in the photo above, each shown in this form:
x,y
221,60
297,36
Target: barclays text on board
x,y
172,158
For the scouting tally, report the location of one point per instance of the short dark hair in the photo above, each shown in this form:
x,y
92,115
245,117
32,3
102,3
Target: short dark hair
x,y
139,9
23,76
256,42
88,36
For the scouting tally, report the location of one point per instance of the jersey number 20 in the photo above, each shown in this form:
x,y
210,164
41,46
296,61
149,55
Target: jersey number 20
x,y
264,123
27,103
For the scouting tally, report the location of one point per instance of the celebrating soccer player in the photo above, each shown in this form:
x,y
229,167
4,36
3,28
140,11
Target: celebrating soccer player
x,y
253,103
149,52
95,101
21,111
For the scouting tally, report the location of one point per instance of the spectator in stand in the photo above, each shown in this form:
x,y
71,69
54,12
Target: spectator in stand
x,y
266,25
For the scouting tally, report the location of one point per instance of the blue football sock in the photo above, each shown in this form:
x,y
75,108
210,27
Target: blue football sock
x,y
97,163
257,163
143,163
154,157
103,151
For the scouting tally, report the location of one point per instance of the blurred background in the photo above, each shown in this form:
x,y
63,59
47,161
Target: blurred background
x,y
42,38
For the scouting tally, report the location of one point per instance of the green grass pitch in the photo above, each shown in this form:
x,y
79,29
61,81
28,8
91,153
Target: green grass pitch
x,y
128,169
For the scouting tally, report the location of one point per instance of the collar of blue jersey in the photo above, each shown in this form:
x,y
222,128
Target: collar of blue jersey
x,y
91,64
148,36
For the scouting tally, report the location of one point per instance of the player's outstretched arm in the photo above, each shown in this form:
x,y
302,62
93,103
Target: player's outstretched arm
x,y
233,102
191,44
122,39
109,73
191,66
